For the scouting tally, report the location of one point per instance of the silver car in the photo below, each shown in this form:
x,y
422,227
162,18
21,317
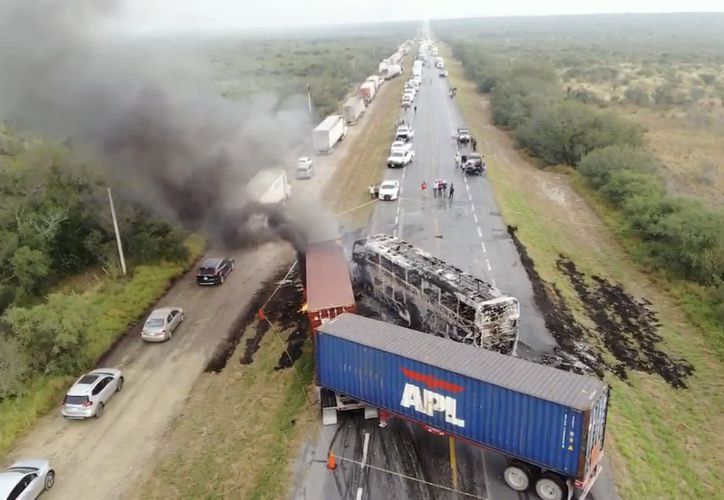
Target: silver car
x,y
26,479
91,392
161,324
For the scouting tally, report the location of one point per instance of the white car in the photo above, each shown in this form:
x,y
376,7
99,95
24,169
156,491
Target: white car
x,y
406,103
389,190
91,392
400,159
161,324
26,479
404,133
305,169
400,146
409,95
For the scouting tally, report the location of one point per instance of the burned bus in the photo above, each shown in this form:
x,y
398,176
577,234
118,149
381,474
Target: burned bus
x,y
433,296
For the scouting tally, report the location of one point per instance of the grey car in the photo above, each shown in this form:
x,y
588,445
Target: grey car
x,y
162,323
91,392
26,479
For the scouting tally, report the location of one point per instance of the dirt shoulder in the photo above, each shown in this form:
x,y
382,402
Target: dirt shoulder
x,y
662,439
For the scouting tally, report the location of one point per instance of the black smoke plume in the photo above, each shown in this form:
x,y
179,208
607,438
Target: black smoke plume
x,y
187,153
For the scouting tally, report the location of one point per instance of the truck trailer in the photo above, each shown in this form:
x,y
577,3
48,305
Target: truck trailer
x,y
367,91
549,424
269,187
353,109
393,70
328,288
328,133
433,296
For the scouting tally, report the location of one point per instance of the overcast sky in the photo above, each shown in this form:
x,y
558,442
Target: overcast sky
x,y
192,15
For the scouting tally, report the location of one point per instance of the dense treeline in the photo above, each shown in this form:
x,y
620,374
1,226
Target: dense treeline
x,y
55,223
681,235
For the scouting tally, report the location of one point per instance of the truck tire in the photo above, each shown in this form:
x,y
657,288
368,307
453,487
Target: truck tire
x,y
517,476
551,487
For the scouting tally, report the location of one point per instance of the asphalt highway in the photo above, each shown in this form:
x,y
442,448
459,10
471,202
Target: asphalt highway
x,y
468,231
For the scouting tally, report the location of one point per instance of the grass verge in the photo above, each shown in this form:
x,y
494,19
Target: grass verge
x,y
365,160
240,430
662,442
120,304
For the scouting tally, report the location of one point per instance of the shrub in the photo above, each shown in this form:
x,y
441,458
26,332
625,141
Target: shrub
x,y
53,334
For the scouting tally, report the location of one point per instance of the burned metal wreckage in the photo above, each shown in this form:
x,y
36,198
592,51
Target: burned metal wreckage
x,y
434,296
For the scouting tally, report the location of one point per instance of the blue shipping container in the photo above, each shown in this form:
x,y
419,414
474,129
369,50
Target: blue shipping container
x,y
545,416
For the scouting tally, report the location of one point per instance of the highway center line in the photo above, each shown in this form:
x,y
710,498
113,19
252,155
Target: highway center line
x,y
359,493
472,207
480,233
482,244
397,219
488,264
475,216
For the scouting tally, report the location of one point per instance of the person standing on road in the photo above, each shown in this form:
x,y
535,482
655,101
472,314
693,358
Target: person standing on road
x,y
475,144
452,190
372,191
423,187
415,108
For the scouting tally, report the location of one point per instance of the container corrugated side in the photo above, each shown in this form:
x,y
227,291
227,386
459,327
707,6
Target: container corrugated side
x,y
538,431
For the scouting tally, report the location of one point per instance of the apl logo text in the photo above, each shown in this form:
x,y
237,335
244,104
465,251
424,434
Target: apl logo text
x,y
427,400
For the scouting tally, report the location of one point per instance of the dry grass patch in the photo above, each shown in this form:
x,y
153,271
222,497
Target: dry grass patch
x,y
239,430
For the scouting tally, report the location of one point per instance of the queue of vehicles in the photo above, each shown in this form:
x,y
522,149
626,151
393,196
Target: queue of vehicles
x,y
461,379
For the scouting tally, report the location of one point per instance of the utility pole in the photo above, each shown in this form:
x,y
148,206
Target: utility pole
x,y
118,234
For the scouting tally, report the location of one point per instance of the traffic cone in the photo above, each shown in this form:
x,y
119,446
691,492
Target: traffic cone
x,y
331,461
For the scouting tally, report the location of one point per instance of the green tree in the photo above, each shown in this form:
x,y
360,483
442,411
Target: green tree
x,y
13,366
637,96
30,268
53,334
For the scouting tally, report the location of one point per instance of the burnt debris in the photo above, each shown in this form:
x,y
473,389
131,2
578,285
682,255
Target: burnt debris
x,y
624,336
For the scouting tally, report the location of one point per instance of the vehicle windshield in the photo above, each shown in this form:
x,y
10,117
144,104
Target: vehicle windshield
x,y
389,185
207,270
396,154
154,322
75,400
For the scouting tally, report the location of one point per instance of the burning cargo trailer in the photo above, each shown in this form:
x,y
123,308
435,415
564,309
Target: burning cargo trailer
x,y
433,296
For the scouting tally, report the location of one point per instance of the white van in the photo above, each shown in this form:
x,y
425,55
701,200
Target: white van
x,y
305,168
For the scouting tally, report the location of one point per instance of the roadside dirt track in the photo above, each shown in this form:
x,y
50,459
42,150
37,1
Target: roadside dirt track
x,y
99,459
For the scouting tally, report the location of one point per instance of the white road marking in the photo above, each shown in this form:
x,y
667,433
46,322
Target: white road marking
x,y
480,233
467,187
487,262
475,217
482,244
365,449
473,208
397,219
470,196
359,493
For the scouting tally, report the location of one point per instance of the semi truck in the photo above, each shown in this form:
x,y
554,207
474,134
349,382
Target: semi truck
x,y
269,187
392,71
353,109
434,296
328,133
367,91
548,423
